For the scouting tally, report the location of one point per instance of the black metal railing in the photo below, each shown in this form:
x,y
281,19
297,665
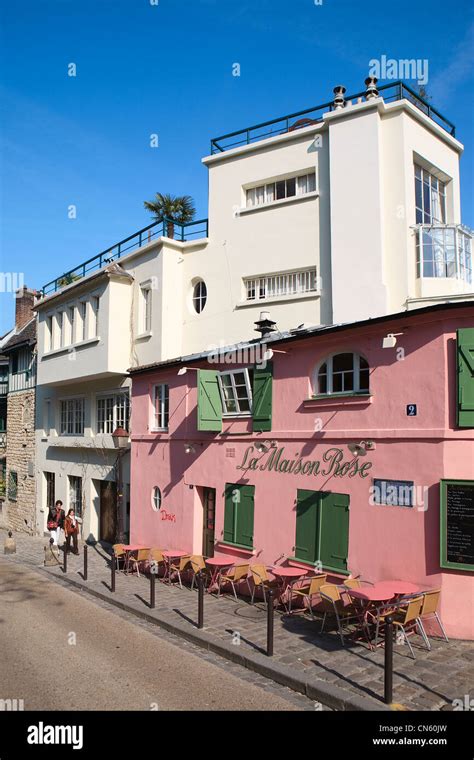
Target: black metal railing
x,y
291,122
166,228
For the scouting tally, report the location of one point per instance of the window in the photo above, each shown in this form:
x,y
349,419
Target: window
x,y
47,416
95,315
322,529
160,407
12,485
75,494
285,188
281,284
50,489
72,329
61,329
112,412
146,309
443,252
49,343
156,499
343,373
83,320
430,197
236,391
199,296
239,514
72,416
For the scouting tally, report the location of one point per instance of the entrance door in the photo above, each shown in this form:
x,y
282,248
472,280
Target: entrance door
x,y
209,499
108,511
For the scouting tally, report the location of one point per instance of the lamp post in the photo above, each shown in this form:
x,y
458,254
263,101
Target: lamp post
x,y
120,439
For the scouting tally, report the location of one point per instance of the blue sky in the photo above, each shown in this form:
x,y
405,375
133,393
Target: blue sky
x,y
167,69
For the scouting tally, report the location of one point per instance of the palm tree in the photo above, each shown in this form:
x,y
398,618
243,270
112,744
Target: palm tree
x,y
171,208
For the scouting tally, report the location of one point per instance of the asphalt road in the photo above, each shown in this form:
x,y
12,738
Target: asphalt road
x,y
61,651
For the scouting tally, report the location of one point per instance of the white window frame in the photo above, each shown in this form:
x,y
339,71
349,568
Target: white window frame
x,y
265,193
95,306
356,369
60,318
75,494
82,311
145,308
276,285
248,384
71,315
72,401
201,298
156,498
162,416
49,333
116,398
437,196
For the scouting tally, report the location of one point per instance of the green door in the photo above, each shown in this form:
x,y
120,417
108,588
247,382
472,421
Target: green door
x,y
322,528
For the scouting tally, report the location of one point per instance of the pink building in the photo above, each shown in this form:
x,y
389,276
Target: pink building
x,y
349,447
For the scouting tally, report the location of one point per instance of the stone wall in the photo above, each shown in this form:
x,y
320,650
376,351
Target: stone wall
x,y
21,514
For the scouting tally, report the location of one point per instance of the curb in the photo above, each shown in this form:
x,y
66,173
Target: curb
x,y
315,689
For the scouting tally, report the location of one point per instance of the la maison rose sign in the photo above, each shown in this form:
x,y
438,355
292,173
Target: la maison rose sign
x,y
331,463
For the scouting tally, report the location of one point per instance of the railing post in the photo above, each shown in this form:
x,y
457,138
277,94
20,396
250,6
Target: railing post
x,y
200,585
85,562
388,662
152,590
270,622
112,574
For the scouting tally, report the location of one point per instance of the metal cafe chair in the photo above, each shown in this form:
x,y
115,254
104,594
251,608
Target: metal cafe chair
x,y
307,592
119,556
234,576
405,615
429,610
344,614
262,581
178,568
197,564
142,556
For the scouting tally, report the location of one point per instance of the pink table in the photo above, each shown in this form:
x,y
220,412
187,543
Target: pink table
x,y
375,593
399,587
288,576
134,547
170,554
217,564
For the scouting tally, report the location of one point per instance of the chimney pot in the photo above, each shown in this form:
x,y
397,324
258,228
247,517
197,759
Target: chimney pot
x,y
24,303
371,91
339,97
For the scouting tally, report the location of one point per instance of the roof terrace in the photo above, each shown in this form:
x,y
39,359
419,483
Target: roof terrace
x,y
391,92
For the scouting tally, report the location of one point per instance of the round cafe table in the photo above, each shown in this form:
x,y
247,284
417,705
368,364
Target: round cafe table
x,y
217,564
170,554
398,588
367,598
288,576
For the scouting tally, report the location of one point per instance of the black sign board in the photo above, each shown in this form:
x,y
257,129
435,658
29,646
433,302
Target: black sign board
x,y
412,410
457,524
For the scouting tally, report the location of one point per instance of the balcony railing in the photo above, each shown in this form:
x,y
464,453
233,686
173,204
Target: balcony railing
x,y
166,228
391,92
444,250
3,387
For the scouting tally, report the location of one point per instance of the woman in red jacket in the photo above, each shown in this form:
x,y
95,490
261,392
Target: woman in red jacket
x,y
71,529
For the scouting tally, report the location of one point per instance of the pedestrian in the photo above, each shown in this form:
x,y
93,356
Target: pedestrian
x,y
56,521
71,529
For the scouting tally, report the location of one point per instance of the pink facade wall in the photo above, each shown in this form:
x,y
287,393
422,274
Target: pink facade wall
x,y
385,542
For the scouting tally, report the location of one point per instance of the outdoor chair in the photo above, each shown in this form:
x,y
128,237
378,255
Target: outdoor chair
x,y
119,556
262,581
197,564
234,576
344,614
177,568
307,592
429,610
142,557
157,561
405,618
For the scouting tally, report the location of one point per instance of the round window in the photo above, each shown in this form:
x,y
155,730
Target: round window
x,y
199,296
156,499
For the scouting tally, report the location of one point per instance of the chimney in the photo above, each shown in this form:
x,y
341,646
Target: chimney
x,y
339,97
24,303
265,325
371,88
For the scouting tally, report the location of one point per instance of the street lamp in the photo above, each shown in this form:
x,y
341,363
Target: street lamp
x,y
120,439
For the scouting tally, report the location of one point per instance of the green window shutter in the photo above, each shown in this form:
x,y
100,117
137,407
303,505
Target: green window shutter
x,y
209,401
262,398
465,358
229,512
245,516
306,525
334,530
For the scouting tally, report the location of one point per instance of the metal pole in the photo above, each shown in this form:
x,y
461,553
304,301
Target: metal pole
x,y
388,665
152,590
270,620
200,601
65,558
85,562
112,573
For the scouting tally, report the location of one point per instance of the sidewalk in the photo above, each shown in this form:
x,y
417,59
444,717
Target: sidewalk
x,y
316,664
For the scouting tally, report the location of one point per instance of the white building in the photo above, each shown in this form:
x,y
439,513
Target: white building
x,y
333,215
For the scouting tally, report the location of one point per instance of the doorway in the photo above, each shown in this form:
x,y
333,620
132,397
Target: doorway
x,y
108,511
209,504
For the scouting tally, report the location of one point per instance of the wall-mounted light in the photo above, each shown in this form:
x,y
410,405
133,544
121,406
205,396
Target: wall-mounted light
x,y
390,340
189,448
265,446
361,449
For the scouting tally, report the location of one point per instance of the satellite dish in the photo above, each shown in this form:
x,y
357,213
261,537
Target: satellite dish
x,y
357,449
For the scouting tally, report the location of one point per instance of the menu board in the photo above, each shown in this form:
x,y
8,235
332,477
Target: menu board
x,y
457,524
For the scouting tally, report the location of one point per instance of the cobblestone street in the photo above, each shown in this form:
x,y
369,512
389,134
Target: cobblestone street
x,y
431,682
